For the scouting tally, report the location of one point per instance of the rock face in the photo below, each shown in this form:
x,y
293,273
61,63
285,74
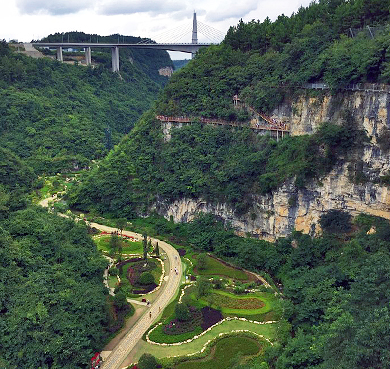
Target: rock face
x,y
288,208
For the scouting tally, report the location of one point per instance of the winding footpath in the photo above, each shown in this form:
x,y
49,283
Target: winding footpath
x,y
168,291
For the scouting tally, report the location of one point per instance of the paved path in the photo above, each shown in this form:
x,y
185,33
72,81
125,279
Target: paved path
x,y
119,354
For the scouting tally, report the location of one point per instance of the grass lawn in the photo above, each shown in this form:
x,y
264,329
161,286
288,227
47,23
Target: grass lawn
x,y
216,268
129,247
225,351
267,330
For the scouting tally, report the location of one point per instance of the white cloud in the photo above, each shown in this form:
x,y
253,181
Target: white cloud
x,y
139,6
56,7
34,19
231,9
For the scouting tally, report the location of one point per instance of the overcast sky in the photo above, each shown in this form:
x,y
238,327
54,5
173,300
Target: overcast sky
x,y
25,20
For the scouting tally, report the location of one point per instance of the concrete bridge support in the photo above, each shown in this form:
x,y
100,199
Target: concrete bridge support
x,y
194,34
59,54
115,58
88,59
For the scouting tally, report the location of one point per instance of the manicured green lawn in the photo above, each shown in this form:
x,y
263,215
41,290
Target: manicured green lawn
x,y
216,268
129,247
226,350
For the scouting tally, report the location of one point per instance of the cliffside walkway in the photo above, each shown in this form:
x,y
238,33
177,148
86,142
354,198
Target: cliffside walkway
x,y
269,125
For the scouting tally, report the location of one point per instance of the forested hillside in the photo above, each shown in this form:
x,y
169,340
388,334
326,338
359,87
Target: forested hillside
x,y
219,165
54,311
60,117
264,63
268,62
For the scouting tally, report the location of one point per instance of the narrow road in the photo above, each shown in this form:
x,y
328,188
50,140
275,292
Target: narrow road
x,y
119,354
168,291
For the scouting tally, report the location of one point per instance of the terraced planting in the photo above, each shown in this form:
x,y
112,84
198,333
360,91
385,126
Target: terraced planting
x,y
228,301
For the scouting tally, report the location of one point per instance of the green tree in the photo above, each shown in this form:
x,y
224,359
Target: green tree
x,y
145,245
201,261
336,221
146,278
203,287
157,250
114,243
121,224
120,301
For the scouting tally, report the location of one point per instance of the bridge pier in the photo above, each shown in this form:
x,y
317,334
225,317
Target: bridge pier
x,y
194,34
59,54
88,59
115,58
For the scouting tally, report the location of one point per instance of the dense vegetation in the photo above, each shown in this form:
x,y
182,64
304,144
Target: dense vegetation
x,y
267,62
202,161
52,300
59,117
335,287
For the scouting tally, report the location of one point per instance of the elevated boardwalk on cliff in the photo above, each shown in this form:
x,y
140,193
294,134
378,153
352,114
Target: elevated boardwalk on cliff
x,y
277,129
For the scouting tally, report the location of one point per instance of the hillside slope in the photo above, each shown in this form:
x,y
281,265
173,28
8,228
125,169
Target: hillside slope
x,y
60,117
337,157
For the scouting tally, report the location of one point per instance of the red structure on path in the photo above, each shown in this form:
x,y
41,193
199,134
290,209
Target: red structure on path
x,y
96,361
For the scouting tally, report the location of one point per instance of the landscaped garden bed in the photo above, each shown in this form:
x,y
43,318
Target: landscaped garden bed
x,y
139,276
176,326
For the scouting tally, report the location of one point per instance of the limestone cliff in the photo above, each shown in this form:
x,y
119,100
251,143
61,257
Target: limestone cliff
x,y
288,208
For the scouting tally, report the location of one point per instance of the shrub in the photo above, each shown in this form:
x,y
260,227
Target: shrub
x,y
182,312
203,287
202,261
146,278
113,271
147,361
336,221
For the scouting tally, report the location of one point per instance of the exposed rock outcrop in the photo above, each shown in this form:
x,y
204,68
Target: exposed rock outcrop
x,y
277,214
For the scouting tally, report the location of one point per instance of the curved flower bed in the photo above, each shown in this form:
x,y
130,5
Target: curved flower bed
x,y
204,332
